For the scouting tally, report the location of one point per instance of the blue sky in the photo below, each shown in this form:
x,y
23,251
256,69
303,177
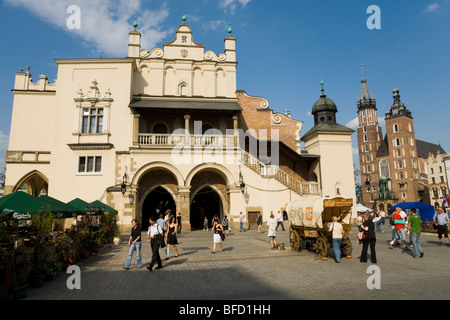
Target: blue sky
x,y
284,49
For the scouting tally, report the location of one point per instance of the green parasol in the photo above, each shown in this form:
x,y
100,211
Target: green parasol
x,y
60,209
20,205
99,208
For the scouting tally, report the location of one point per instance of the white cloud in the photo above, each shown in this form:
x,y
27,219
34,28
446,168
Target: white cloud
x,y
354,123
104,24
215,24
232,4
432,7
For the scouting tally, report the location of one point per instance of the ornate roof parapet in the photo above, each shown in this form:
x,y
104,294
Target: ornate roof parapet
x,y
24,82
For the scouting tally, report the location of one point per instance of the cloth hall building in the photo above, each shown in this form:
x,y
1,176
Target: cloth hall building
x,y
171,127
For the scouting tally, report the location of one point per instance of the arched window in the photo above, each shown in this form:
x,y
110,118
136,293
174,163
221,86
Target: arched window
x,y
397,142
160,128
384,168
395,127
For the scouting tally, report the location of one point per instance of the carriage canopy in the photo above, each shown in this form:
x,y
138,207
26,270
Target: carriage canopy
x,y
313,212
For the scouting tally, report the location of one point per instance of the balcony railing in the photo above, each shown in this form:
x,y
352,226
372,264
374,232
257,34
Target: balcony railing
x,y
286,178
169,140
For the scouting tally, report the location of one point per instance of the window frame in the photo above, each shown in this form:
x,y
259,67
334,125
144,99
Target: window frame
x,y
94,171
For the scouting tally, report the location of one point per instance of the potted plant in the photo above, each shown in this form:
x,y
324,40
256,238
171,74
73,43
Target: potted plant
x,y
48,262
21,272
41,227
65,248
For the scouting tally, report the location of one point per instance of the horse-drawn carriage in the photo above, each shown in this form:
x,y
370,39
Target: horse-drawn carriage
x,y
309,221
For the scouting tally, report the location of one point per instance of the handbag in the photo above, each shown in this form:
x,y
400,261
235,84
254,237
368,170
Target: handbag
x,y
362,236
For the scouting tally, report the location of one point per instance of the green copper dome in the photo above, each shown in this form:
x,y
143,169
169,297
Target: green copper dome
x,y
324,103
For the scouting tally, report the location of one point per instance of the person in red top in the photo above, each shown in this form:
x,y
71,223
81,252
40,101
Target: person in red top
x,y
399,226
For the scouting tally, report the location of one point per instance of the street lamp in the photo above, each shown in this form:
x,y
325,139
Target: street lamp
x,y
123,186
241,182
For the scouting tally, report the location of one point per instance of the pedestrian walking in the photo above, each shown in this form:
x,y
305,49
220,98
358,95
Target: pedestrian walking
x,y
135,245
259,222
155,237
161,222
179,222
378,221
441,219
369,228
171,237
241,223
205,224
280,220
414,233
217,236
225,224
382,216
359,221
337,232
272,231
398,218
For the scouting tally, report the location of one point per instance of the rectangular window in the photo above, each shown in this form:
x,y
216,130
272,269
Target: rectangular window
x,y
92,121
90,164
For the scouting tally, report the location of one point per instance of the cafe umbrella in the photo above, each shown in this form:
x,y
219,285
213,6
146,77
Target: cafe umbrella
x,y
60,209
20,205
79,204
97,207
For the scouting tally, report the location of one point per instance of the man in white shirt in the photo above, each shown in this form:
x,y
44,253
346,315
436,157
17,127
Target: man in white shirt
x,y
280,220
154,231
241,223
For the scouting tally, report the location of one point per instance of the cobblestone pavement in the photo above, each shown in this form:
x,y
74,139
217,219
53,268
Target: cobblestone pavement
x,y
248,269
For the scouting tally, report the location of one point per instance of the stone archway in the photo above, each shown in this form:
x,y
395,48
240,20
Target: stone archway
x,y
155,185
208,197
35,182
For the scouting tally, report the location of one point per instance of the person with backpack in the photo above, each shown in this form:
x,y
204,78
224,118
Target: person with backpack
x,y
399,227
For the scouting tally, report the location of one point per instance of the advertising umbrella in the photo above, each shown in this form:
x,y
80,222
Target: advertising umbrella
x,y
59,208
79,204
21,205
101,207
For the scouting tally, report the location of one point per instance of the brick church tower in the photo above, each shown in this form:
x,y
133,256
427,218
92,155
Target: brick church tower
x,y
369,138
404,162
390,166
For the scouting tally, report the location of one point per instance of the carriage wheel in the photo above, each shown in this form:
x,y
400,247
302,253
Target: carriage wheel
x,y
321,249
346,248
296,241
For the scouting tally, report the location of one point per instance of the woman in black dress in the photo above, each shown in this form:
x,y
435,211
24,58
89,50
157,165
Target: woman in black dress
x,y
171,236
369,229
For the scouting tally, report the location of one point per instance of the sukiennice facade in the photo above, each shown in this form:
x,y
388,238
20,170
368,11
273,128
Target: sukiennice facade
x,y
168,129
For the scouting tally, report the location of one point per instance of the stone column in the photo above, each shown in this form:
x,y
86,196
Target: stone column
x,y
186,128
136,116
235,130
183,206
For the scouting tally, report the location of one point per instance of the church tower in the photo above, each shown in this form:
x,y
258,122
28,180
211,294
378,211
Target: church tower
x,y
369,138
404,162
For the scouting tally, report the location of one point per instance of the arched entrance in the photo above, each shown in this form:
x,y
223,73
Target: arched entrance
x,y
209,194
34,182
205,203
157,189
157,202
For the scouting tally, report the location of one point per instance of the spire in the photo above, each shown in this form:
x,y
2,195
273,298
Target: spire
x,y
135,24
323,95
364,90
184,17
